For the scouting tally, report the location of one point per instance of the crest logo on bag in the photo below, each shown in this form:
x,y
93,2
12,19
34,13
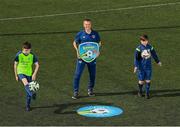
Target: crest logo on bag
x,y
88,51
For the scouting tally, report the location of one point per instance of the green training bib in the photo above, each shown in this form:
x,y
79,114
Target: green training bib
x,y
25,64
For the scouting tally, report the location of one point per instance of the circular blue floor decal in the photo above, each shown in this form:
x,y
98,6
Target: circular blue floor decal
x,y
99,111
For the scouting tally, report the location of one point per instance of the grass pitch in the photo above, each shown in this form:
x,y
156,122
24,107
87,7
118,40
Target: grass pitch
x,y
116,85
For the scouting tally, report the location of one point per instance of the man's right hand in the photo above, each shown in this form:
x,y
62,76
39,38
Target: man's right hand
x,y
78,56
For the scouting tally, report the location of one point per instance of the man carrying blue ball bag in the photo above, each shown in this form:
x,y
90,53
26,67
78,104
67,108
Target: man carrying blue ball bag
x,y
86,44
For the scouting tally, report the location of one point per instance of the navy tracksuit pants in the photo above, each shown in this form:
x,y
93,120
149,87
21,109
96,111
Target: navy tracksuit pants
x,y
80,64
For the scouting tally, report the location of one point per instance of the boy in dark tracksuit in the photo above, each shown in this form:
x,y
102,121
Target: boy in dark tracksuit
x,y
142,63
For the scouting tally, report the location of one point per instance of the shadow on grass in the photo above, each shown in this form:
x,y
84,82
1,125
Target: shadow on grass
x,y
154,93
62,107
100,30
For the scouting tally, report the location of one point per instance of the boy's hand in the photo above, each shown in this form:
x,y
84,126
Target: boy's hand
x,y
33,77
17,79
135,69
160,64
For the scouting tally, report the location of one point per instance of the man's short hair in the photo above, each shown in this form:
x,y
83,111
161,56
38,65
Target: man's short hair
x,y
88,20
27,45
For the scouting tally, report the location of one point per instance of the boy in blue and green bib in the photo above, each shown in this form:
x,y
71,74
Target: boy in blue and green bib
x,y
23,69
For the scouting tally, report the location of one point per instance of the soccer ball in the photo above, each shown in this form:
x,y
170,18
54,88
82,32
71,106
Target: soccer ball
x,y
146,54
89,54
34,86
100,111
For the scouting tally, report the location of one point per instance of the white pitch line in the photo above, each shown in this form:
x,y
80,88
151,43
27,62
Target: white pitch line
x,y
85,12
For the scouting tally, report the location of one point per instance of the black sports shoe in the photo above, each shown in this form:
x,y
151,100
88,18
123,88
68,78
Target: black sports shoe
x,y
90,93
140,94
34,96
147,96
75,96
28,108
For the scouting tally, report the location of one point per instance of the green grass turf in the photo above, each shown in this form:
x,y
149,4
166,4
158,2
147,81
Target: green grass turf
x,y
116,84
